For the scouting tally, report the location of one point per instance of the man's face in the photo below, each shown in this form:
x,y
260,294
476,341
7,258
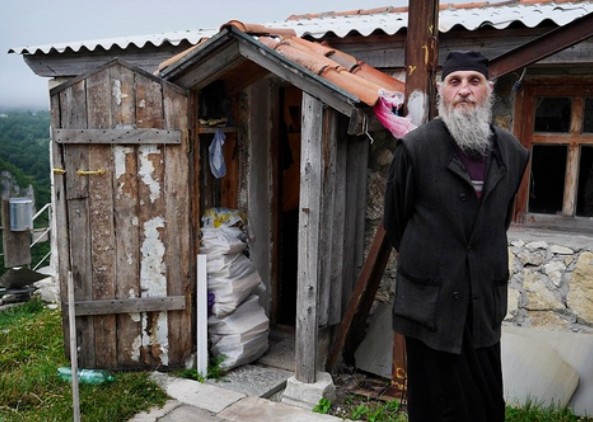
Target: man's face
x,y
464,90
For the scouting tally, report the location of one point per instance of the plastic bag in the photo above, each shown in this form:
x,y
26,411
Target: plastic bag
x,y
217,165
222,241
229,293
242,336
385,110
218,217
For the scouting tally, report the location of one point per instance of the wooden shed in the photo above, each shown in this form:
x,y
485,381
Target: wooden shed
x,y
122,190
133,180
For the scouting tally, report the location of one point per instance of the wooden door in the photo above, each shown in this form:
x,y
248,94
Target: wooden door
x,y
122,194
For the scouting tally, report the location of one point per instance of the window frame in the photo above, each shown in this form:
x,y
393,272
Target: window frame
x,y
577,88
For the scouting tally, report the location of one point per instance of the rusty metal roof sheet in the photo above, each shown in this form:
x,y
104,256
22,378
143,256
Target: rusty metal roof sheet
x,y
389,20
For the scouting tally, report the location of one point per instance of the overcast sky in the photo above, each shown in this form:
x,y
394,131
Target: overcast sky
x,y
39,22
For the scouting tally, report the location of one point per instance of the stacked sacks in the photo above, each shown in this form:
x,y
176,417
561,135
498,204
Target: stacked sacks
x,y
237,324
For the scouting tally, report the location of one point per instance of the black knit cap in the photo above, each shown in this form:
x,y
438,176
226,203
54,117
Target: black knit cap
x,y
465,60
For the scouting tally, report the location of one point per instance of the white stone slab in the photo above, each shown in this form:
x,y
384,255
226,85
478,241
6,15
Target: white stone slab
x,y
577,350
255,409
534,371
375,353
204,396
253,380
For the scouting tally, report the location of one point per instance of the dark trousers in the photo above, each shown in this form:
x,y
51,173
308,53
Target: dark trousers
x,y
447,387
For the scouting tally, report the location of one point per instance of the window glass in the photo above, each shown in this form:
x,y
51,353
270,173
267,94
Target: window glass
x,y
585,193
548,168
588,116
552,114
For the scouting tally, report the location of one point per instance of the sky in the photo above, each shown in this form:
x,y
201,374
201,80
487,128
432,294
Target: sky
x,y
40,22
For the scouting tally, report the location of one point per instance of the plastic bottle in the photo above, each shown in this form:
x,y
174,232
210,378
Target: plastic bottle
x,y
86,376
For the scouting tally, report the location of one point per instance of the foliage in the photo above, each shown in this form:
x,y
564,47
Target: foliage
x,y
31,350
24,154
324,406
361,408
214,370
533,411
24,145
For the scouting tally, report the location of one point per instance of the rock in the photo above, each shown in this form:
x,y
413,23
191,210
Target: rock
x,y
561,250
539,298
539,244
580,295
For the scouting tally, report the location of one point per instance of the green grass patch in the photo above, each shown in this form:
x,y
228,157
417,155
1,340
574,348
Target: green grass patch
x,y
32,349
360,408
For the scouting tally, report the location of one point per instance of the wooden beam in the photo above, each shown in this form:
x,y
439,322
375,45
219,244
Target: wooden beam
x,y
422,52
542,47
126,306
117,136
308,240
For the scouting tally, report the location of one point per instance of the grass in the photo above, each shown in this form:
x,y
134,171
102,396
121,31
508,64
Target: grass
x,y
360,408
31,350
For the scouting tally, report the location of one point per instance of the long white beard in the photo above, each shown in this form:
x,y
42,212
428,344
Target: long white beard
x,y
470,127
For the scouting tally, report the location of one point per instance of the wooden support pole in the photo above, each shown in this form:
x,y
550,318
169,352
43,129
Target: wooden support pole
x,y
421,64
308,253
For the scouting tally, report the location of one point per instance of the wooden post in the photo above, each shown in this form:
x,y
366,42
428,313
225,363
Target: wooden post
x,y
422,53
16,245
308,254
73,350
421,65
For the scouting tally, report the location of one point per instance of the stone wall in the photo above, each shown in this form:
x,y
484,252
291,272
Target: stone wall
x,y
551,283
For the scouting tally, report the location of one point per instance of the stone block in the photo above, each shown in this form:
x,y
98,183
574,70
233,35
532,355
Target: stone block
x,y
307,395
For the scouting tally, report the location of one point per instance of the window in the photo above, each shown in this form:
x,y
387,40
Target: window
x,y
555,121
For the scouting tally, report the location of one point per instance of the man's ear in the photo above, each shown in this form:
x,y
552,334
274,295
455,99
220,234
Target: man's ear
x,y
491,84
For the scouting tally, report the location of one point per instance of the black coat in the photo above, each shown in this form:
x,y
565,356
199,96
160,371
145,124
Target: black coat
x,y
453,257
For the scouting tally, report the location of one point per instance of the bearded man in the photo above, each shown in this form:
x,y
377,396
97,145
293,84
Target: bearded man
x,y
448,204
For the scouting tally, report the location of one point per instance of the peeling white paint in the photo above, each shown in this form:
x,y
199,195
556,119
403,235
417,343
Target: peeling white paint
x,y
119,154
135,350
116,91
153,269
146,170
153,283
142,104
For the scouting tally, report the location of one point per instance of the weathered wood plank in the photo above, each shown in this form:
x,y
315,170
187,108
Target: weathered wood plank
x,y
149,103
108,307
118,136
73,109
308,254
152,224
179,255
328,165
59,205
338,231
125,215
356,184
15,244
102,231
80,252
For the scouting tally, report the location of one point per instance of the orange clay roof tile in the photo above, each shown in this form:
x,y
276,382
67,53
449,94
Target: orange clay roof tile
x,y
342,69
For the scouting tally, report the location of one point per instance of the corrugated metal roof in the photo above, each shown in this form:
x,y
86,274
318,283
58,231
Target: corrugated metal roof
x,y
389,20
173,38
484,14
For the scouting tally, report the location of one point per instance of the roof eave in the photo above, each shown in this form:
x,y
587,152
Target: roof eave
x,y
233,45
